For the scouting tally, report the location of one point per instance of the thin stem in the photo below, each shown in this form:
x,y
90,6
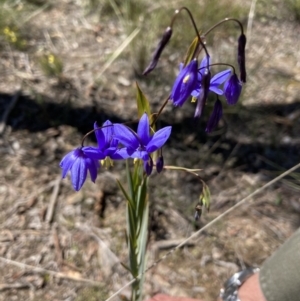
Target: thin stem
x,y
160,110
221,64
223,21
177,11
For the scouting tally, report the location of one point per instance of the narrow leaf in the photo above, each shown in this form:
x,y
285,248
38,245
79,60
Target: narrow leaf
x,y
205,196
191,51
124,192
142,102
130,182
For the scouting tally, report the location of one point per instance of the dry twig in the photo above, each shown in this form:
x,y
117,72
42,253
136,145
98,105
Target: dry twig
x,y
58,251
42,271
53,201
6,286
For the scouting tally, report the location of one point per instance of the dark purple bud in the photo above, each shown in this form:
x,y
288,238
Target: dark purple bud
x,y
148,166
232,89
241,57
205,84
160,164
160,47
215,116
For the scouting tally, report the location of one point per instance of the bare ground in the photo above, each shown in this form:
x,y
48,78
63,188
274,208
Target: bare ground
x,y
56,244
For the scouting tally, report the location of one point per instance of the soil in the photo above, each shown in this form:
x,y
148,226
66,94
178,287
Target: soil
x,y
57,244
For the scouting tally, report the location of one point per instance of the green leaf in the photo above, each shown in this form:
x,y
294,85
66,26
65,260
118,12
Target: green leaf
x,y
191,51
142,102
125,266
130,183
124,192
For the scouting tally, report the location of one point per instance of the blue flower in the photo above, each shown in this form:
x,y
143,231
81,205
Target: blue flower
x,y
78,163
107,144
141,144
215,116
185,83
215,81
232,89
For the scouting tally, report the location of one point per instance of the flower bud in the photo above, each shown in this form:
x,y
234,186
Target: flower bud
x,y
160,164
232,89
160,47
148,166
241,57
215,116
205,84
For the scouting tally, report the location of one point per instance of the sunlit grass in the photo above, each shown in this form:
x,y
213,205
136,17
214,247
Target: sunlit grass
x,y
154,17
294,7
13,18
51,65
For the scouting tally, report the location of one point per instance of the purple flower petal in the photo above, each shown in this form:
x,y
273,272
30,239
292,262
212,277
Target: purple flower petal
x,y
140,154
120,154
68,161
232,89
143,129
78,173
99,136
126,136
159,139
215,116
216,90
107,129
93,153
92,166
184,84
78,163
220,77
196,92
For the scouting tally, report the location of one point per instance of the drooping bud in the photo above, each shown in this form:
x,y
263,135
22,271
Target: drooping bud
x,y
215,116
160,164
201,101
148,166
160,47
232,89
241,57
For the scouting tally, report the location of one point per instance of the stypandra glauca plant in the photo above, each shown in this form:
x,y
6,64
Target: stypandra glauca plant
x,y
142,148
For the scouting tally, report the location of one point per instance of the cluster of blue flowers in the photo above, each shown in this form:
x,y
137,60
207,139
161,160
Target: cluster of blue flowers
x,y
197,82
117,142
